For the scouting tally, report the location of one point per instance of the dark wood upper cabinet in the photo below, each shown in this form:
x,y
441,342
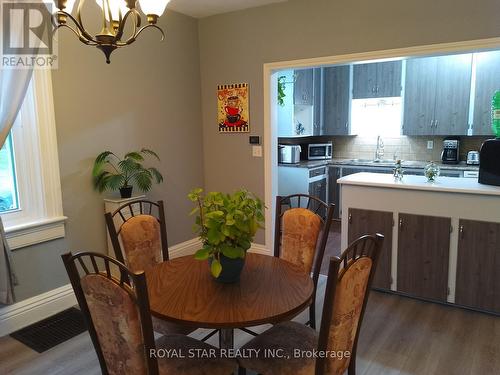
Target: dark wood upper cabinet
x,y
377,80
362,222
303,89
437,95
423,253
336,100
487,82
478,265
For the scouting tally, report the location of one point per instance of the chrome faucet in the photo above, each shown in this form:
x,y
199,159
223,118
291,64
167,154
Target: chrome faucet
x,y
379,152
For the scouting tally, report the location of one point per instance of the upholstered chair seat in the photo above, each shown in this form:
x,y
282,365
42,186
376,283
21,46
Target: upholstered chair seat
x,y
192,364
288,336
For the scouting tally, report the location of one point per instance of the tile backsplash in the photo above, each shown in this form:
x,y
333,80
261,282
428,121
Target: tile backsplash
x,y
403,147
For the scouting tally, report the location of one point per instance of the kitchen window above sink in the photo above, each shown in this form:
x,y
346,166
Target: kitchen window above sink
x,y
377,116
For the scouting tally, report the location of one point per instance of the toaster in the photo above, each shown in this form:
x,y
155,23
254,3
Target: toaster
x,y
288,154
473,158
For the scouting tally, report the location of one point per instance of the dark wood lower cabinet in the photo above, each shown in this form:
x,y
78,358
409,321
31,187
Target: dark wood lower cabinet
x,y
478,265
362,222
423,253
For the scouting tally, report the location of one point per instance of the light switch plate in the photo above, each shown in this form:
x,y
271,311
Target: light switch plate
x,y
430,145
257,151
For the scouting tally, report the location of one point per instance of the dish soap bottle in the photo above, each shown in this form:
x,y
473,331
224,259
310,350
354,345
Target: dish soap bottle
x,y
495,114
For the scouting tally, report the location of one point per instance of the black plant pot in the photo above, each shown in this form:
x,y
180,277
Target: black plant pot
x,y
231,269
126,192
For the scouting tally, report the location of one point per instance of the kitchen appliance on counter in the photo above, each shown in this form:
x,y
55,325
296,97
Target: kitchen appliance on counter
x,y
451,151
288,154
489,166
318,151
473,158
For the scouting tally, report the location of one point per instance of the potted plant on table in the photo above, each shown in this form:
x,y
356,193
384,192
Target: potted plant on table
x,y
226,224
112,173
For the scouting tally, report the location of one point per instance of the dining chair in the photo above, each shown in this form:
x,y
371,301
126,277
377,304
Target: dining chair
x,y
138,234
347,289
118,317
302,227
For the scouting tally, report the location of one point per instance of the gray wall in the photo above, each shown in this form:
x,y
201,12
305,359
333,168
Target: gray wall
x,y
148,97
234,47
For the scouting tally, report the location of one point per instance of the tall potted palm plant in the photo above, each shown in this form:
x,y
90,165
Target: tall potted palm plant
x,y
112,173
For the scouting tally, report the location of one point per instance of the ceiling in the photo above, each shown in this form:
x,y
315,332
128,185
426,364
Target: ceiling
x,y
205,8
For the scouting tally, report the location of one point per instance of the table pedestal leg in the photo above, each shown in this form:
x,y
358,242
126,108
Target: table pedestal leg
x,y
226,338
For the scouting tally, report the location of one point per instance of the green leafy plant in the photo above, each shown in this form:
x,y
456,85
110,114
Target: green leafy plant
x,y
226,224
281,90
112,173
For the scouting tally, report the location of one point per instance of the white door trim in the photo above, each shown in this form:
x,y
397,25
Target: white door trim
x,y
270,100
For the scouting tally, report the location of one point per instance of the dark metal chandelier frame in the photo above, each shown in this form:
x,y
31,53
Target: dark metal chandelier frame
x,y
111,36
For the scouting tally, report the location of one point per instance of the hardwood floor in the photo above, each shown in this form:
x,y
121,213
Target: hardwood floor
x,y
400,336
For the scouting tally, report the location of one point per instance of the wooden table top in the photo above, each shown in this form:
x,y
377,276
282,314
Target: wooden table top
x,y
270,290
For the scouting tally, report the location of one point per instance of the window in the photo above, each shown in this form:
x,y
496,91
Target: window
x,y
30,188
8,188
379,116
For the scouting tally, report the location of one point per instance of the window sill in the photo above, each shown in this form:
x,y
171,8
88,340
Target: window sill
x,y
33,233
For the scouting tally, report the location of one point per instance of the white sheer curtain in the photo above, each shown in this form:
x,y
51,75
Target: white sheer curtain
x,y
13,86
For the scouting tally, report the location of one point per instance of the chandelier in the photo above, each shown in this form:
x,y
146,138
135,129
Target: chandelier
x,y
115,15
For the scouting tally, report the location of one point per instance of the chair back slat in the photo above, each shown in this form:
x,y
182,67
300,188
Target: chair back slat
x,y
349,281
116,312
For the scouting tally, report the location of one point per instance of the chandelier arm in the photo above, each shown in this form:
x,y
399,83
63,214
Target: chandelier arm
x,y
77,33
134,37
81,30
123,22
79,23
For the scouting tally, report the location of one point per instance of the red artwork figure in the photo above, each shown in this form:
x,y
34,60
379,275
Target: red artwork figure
x,y
233,112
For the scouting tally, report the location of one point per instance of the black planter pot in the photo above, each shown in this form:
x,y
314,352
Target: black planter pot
x,y
126,192
231,269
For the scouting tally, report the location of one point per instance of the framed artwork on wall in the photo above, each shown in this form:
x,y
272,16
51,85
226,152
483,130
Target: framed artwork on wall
x,y
232,112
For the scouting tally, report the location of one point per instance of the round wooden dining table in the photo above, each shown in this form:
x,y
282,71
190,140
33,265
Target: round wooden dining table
x,y
270,290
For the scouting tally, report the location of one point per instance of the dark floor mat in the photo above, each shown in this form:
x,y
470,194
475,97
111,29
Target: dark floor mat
x,y
52,331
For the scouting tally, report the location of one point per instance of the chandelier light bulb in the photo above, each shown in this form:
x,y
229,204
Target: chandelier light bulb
x,y
153,7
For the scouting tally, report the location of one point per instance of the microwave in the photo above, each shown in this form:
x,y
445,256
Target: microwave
x,y
319,151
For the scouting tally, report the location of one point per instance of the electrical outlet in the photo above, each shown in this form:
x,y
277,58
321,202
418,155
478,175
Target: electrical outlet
x,y
430,145
257,151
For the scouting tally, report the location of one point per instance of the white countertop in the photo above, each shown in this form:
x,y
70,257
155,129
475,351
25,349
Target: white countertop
x,y
442,184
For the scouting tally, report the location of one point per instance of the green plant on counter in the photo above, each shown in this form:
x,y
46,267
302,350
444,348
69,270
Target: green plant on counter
x,y
281,91
226,224
112,173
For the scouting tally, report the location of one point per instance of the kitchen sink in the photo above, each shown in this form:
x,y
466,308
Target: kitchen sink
x,y
371,161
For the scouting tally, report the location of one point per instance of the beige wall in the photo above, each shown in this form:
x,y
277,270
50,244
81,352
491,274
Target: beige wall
x,y
148,97
234,47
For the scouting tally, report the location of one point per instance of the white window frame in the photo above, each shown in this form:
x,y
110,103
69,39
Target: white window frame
x,y
40,215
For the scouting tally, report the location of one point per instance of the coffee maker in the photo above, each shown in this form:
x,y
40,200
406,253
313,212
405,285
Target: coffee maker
x,y
451,151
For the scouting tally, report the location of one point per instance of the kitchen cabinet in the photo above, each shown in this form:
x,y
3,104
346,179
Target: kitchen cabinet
x,y
336,100
377,80
437,95
423,252
478,265
487,82
362,222
303,89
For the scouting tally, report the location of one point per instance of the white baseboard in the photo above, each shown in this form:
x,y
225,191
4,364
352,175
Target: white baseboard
x,y
185,248
34,309
191,246
260,249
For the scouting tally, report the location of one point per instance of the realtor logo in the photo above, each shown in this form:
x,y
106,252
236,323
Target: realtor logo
x,y
27,40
